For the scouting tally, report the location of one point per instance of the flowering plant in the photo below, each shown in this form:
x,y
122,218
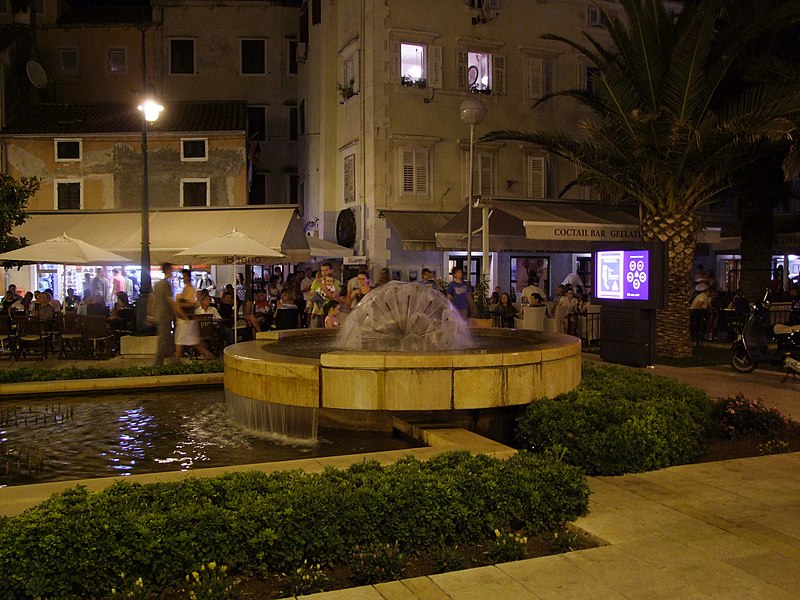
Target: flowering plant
x,y
737,416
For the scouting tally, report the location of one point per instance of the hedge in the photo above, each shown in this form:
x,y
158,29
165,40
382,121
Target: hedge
x,y
29,374
77,543
619,421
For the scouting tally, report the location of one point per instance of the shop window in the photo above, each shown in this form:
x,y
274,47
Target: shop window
x,y
68,60
181,57
194,149
481,72
68,150
116,60
195,192
414,170
254,57
69,194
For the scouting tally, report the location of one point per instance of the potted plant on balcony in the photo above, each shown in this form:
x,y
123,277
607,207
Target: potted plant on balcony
x,y
346,91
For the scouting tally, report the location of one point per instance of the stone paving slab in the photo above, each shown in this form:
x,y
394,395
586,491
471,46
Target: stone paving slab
x,y
724,530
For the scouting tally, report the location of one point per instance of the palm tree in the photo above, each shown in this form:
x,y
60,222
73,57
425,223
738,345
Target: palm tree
x,y
664,133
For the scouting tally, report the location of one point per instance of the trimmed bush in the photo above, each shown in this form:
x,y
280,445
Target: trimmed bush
x,y
77,543
620,421
28,374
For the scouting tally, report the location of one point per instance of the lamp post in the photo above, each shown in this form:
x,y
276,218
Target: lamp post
x,y
150,110
473,112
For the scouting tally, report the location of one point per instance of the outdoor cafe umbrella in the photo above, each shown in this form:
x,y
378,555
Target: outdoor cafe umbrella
x,y
64,250
229,249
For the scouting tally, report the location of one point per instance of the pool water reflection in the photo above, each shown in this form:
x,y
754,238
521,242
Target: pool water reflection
x,y
81,437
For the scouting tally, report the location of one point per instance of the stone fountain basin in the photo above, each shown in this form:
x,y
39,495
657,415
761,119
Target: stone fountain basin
x,y
363,389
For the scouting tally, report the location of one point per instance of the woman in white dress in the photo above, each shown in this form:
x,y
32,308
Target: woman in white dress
x,y
187,331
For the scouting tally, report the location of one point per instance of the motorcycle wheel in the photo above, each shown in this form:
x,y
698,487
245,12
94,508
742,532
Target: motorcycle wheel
x,y
741,363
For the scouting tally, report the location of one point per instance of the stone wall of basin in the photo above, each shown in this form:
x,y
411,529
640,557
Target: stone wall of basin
x,y
532,366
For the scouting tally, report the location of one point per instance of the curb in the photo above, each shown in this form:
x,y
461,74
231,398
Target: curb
x,y
75,386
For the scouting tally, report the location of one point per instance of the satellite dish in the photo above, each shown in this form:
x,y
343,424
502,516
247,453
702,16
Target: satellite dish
x,y
36,74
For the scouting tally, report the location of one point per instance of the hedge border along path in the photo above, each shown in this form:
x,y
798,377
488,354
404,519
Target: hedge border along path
x,y
77,543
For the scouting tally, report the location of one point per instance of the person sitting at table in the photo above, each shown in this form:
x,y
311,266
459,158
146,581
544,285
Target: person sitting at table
x,y
537,300
120,304
206,308
71,300
570,304
23,304
96,306
505,310
262,311
44,309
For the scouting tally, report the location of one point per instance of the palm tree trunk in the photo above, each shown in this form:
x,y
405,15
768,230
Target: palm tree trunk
x,y
672,323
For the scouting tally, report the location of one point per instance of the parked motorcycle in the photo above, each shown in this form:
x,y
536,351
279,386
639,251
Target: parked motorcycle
x,y
760,341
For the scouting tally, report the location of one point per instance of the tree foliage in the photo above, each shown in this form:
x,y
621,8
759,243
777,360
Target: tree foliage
x,y
14,196
664,127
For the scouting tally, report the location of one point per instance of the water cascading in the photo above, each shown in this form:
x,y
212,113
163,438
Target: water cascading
x,y
404,317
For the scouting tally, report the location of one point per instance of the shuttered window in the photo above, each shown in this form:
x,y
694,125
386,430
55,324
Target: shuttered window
x,y
482,174
349,178
539,77
414,170
68,195
537,177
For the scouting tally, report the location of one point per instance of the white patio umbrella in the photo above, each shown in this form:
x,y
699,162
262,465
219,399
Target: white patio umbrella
x,y
65,250
229,249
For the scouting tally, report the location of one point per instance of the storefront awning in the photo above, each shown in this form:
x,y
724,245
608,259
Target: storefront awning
x,y
546,226
417,230
171,230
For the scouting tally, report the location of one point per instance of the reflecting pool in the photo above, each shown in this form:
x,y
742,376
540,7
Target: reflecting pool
x,y
81,437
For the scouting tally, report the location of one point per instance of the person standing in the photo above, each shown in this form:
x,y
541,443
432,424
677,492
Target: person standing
x,y
187,330
319,288
100,284
460,292
118,283
161,312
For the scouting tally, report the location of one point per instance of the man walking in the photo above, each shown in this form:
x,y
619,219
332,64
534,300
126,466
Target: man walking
x,y
161,311
460,293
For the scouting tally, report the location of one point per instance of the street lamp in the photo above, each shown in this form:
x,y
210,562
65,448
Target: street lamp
x,y
473,112
150,110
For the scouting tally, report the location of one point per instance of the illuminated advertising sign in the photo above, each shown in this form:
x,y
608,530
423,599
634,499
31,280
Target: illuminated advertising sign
x,y
622,275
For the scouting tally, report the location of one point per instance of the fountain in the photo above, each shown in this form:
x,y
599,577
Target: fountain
x,y
403,351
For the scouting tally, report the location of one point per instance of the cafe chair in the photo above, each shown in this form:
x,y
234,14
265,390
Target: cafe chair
x,y
70,335
98,336
30,335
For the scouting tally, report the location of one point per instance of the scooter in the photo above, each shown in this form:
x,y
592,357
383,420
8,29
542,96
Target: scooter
x,y
760,341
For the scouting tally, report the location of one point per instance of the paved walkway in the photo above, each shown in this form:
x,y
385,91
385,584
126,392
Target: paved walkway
x,y
723,530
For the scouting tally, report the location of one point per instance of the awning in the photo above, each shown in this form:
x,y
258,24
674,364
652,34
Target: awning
x,y
320,248
549,226
417,230
171,230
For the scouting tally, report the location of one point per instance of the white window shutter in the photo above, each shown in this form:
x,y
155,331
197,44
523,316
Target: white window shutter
x,y
394,62
355,73
350,178
434,73
498,74
485,164
537,187
535,78
421,171
407,157
461,65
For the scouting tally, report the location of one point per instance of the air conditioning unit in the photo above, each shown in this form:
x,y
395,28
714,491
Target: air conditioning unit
x,y
301,52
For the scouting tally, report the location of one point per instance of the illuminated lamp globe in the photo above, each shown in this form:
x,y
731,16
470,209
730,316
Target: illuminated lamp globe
x,y
151,109
472,111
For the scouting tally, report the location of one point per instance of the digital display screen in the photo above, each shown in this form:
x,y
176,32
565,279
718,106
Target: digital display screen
x,y
622,275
